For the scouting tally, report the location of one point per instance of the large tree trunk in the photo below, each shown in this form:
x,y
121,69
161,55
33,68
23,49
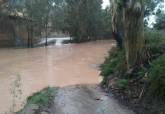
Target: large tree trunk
x,y
133,29
117,22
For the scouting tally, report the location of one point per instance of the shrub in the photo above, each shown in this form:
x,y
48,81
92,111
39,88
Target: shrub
x,y
112,62
155,41
121,83
42,97
156,81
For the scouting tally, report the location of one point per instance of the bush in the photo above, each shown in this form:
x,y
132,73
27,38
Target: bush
x,y
112,62
42,97
156,81
155,41
121,83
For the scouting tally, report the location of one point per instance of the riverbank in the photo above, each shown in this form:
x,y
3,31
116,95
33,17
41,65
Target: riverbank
x,y
142,88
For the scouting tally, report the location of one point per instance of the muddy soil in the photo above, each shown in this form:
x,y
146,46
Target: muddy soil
x,y
86,99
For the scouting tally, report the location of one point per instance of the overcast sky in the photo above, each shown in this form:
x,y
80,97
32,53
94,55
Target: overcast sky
x,y
105,3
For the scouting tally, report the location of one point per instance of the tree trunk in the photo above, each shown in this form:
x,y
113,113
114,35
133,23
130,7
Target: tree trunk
x,y
46,31
133,29
28,31
46,35
32,35
117,18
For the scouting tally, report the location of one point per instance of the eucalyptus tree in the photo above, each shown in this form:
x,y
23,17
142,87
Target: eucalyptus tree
x,y
58,15
131,13
150,5
39,11
106,23
117,21
117,16
83,18
134,32
150,8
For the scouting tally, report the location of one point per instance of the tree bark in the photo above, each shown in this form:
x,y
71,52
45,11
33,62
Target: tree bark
x,y
46,31
32,35
117,18
133,29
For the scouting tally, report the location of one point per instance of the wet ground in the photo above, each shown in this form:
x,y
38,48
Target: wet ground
x,y
86,99
61,66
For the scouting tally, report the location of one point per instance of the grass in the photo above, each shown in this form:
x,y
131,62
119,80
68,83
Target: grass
x,y
121,83
156,78
41,98
112,63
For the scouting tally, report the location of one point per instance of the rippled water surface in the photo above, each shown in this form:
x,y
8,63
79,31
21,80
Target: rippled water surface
x,y
49,66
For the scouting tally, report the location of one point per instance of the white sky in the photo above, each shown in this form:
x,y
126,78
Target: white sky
x,y
105,3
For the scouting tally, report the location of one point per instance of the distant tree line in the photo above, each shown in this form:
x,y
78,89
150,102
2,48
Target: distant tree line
x,y
83,19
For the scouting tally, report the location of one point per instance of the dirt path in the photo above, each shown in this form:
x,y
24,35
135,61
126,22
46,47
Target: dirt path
x,y
86,99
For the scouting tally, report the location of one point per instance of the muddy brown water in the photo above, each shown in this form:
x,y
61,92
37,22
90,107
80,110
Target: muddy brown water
x,y
61,66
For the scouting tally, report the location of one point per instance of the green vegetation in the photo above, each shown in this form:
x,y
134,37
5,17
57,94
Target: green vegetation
x,y
156,78
41,98
112,63
121,83
106,23
155,42
143,83
160,21
84,19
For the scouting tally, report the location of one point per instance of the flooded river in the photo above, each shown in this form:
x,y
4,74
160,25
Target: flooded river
x,y
61,66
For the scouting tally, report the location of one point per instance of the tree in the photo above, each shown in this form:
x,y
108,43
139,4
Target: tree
x,y
39,11
133,15
117,21
133,29
106,23
117,16
160,21
58,16
83,19
149,8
